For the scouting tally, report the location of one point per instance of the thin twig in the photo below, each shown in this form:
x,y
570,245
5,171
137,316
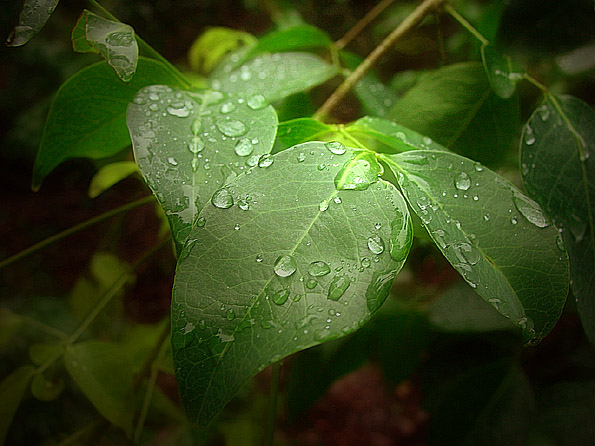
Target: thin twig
x,y
405,26
459,18
59,236
362,23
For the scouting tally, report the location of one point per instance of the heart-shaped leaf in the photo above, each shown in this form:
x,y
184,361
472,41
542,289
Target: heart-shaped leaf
x,y
279,261
187,144
275,76
557,150
496,238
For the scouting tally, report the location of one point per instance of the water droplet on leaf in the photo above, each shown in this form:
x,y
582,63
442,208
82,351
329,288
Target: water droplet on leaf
x,y
244,147
335,147
222,199
376,244
232,128
285,266
337,287
257,102
318,269
462,181
280,297
531,211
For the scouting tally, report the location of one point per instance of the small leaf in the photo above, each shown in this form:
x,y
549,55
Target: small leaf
x,y
109,175
210,47
461,309
187,144
33,17
393,138
10,324
557,151
12,389
296,131
456,107
104,375
41,353
115,41
306,263
498,68
495,237
296,38
276,76
87,117
45,390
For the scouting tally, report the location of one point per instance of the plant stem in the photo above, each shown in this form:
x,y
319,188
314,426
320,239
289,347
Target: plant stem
x,y
362,23
155,351
92,221
405,26
272,406
536,83
145,46
459,18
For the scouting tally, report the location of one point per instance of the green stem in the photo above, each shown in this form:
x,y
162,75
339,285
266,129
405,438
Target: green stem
x,y
151,52
155,351
536,83
92,221
272,407
459,18
45,328
404,27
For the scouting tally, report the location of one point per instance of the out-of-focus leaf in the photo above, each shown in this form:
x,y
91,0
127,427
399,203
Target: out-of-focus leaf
x,y
557,151
10,323
12,389
208,49
115,41
296,131
498,68
44,389
43,352
455,106
88,115
109,175
34,15
291,39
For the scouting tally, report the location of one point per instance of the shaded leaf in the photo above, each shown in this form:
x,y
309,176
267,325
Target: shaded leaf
x,y
10,324
295,38
296,268
87,117
187,144
456,107
296,131
275,76
212,45
104,375
12,389
498,68
393,138
40,353
557,150
115,41
34,15
461,309
495,237
44,389
109,175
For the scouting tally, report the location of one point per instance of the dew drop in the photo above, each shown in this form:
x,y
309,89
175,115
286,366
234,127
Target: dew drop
x,y
188,328
467,253
337,200
244,147
222,199
529,137
311,283
227,107
280,297
301,157
171,160
265,160
243,205
230,315
366,262
376,244
257,102
232,128
462,181
259,258
180,112
285,266
196,126
318,269
196,145
531,211
201,222
335,147
514,220
337,287
401,237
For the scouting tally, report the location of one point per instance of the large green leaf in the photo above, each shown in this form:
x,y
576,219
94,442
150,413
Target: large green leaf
x,y
34,15
104,375
298,251
115,41
496,238
276,76
12,389
558,170
88,115
456,106
187,144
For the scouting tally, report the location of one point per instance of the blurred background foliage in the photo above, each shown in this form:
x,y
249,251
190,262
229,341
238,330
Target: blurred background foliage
x,y
436,366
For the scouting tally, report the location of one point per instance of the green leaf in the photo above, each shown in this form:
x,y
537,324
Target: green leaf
x,y
276,76
296,131
489,404
376,98
104,375
498,68
10,324
87,117
34,15
212,45
456,107
44,389
495,237
109,175
299,37
187,144
393,138
12,389
557,150
460,309
40,353
115,41
295,263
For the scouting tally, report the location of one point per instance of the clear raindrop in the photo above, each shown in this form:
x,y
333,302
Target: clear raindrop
x,y
257,102
281,296
196,145
232,128
335,147
462,181
201,222
265,160
531,211
376,244
318,269
337,287
285,266
222,199
244,147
